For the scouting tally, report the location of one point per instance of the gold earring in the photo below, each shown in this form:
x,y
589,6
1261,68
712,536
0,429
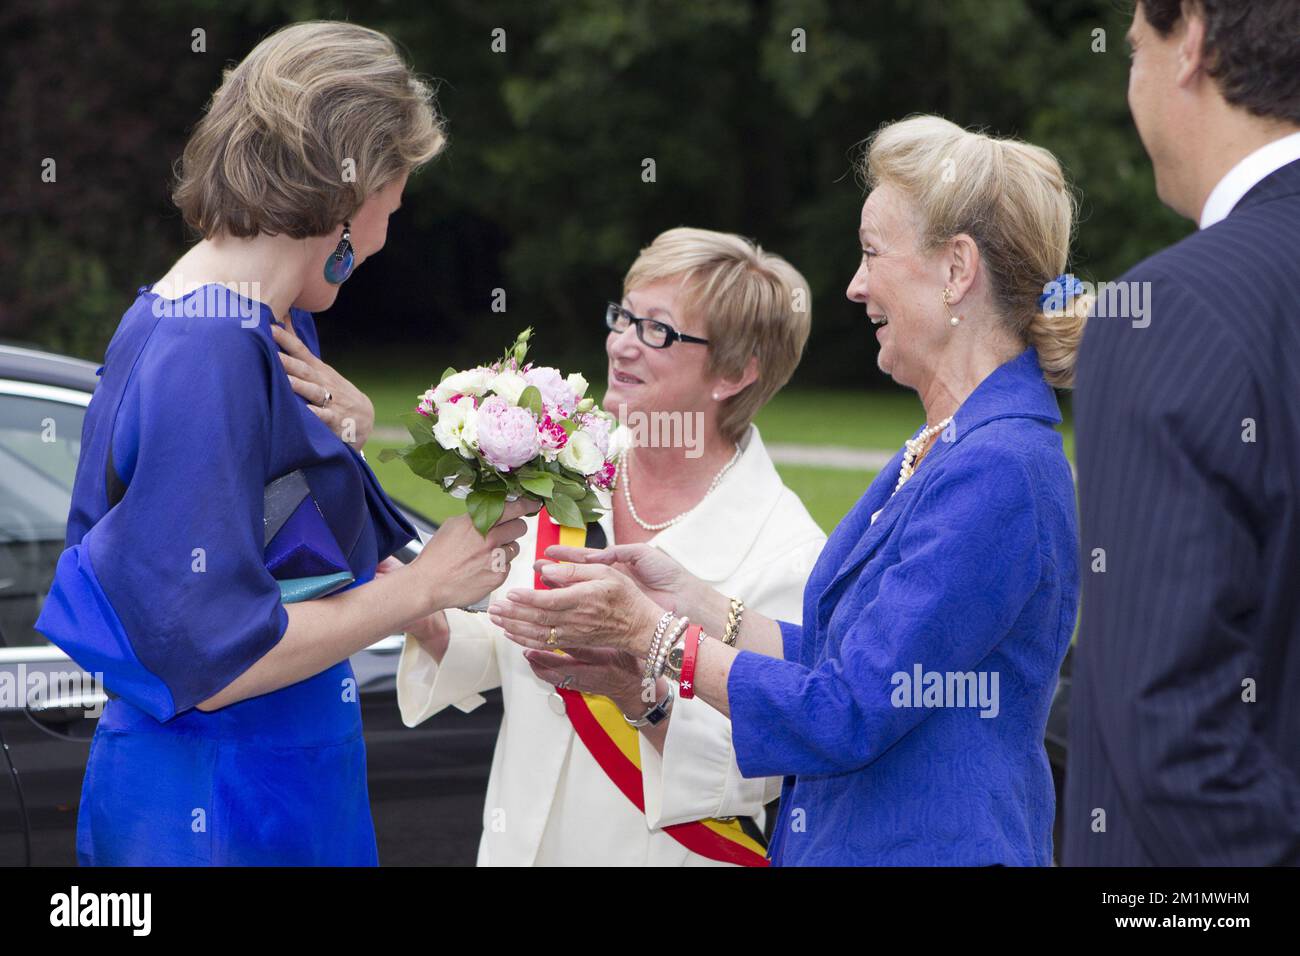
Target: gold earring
x,y
947,297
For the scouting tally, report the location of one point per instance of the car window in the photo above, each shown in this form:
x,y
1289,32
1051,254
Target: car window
x,y
40,439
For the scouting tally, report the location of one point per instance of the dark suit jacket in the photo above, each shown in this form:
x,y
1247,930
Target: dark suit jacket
x,y
1185,717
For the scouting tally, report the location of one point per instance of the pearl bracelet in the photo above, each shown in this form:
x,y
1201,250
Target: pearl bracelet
x,y
661,658
653,650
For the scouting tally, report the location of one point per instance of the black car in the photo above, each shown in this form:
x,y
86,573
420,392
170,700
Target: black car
x,y
426,784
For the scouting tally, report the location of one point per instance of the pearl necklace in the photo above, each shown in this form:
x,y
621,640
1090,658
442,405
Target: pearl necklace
x,y
626,482
914,446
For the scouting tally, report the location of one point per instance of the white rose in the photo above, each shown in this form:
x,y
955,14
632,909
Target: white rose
x,y
457,427
473,381
579,385
581,454
509,385
620,440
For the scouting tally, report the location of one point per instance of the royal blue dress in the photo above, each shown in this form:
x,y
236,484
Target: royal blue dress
x,y
166,593
908,714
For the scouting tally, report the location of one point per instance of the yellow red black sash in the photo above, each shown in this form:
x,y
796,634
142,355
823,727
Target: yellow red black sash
x,y
615,745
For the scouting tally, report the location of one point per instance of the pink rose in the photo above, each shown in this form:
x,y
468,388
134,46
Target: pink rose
x,y
507,434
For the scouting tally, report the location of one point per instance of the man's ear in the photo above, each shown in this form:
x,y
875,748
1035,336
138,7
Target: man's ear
x,y
727,387
1191,46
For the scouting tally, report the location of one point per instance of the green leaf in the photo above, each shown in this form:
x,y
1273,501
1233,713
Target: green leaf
x,y
423,459
447,373
485,508
420,426
531,399
541,486
569,488
448,465
388,454
564,511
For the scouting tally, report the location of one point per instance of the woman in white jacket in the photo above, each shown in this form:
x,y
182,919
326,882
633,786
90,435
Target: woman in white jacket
x,y
710,327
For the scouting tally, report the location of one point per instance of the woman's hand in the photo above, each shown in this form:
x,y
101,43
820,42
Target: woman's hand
x,y
336,401
587,606
594,670
431,631
661,578
459,566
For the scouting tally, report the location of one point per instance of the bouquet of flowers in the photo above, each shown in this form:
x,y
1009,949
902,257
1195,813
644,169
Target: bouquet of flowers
x,y
495,432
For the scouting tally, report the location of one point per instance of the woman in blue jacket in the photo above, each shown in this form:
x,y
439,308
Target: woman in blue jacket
x,y
907,713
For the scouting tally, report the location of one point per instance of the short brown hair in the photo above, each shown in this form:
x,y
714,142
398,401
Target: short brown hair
x,y
317,118
1252,49
751,302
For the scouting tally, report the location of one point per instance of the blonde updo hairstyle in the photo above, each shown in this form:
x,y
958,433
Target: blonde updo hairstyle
x,y
1012,199
316,119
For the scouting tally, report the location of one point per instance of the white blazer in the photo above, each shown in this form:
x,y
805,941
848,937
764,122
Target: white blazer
x,y
548,801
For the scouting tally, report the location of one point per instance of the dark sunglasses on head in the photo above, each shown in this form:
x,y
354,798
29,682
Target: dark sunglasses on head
x,y
652,332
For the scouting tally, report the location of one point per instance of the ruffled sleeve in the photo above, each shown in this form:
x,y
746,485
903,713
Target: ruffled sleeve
x,y
167,595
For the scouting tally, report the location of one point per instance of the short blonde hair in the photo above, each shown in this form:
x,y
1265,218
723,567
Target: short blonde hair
x,y
749,302
1012,198
316,119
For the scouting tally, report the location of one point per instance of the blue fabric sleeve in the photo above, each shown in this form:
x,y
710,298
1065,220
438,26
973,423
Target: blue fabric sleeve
x,y
968,564
167,594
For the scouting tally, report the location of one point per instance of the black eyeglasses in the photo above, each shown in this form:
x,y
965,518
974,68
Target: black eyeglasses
x,y
652,332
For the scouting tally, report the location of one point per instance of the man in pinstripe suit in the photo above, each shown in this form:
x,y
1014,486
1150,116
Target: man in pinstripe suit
x,y
1185,723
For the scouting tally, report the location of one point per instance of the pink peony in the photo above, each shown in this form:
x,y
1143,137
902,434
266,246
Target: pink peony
x,y
556,392
597,426
507,434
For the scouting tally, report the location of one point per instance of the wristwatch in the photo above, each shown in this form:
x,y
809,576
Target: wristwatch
x,y
656,714
673,667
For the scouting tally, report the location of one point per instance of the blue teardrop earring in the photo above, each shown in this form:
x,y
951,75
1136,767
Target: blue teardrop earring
x,y
339,265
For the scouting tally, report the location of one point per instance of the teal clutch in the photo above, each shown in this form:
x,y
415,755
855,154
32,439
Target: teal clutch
x,y
305,589
301,552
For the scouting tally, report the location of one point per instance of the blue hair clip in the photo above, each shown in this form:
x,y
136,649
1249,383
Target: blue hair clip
x,y
1060,290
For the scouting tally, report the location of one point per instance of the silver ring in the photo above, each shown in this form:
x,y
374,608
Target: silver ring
x,y
327,399
566,683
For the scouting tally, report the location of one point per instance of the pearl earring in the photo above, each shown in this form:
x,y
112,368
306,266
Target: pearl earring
x,y
947,297
715,396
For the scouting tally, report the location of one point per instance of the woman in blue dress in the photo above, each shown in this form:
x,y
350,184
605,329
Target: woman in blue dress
x,y
221,478
907,712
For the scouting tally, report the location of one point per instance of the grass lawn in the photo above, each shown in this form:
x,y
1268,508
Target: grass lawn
x,y
855,419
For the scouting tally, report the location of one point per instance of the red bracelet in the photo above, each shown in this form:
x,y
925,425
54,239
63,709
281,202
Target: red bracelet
x,y
690,650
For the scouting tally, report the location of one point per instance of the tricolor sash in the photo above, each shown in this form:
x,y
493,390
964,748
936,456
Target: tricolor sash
x,y
616,746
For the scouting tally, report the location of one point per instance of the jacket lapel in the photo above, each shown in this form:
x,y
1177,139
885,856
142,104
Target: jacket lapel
x,y
1016,389
713,540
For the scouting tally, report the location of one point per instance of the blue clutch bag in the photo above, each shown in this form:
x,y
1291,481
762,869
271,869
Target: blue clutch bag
x,y
301,551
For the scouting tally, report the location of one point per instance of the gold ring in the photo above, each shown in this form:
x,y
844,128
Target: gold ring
x,y
552,640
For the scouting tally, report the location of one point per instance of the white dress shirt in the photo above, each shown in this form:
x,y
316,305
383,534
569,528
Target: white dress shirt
x,y
1246,175
548,801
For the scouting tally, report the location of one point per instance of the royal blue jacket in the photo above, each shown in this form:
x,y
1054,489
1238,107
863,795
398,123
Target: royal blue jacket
x,y
909,711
